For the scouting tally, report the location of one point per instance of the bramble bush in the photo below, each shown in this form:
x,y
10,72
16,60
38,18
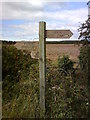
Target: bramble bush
x,y
65,65
20,87
13,66
84,61
83,57
64,97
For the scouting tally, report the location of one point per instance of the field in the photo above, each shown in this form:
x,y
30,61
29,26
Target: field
x,y
53,51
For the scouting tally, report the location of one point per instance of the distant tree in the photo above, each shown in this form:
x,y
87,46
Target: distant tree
x,y
84,30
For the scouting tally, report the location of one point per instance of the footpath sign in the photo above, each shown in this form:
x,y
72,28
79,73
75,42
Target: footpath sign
x,y
58,34
43,34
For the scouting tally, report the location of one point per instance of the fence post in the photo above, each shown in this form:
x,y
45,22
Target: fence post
x,y
42,66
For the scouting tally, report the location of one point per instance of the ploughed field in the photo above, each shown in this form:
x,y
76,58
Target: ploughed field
x,y
56,50
53,51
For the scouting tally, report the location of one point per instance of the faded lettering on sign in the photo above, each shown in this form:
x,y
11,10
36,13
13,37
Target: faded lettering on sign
x,y
58,33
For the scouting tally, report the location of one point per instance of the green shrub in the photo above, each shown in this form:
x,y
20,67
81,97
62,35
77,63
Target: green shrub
x,y
16,67
20,88
64,96
83,57
65,65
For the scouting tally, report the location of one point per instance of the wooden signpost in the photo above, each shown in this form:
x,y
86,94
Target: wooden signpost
x,y
43,34
58,34
42,66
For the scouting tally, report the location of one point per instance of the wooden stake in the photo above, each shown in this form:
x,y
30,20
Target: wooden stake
x,y
42,66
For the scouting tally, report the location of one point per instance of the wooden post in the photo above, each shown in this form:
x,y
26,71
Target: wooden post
x,y
43,34
42,66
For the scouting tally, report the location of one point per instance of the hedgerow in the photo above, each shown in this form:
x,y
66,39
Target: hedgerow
x,y
65,98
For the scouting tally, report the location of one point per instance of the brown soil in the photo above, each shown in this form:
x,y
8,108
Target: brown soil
x,y
53,51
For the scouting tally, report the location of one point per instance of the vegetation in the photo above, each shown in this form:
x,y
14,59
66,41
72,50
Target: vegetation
x,y
66,94
83,57
84,30
65,65
20,84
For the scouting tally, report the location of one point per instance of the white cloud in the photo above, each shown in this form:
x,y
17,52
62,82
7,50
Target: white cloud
x,y
36,3
28,11
63,19
45,0
27,29
75,16
22,10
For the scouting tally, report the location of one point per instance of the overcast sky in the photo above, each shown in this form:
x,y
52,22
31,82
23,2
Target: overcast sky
x,y
20,20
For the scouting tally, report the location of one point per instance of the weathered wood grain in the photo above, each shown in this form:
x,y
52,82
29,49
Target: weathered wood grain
x,y
42,66
58,34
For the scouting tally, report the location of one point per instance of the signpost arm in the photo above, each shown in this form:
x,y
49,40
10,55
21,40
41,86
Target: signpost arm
x,y
42,66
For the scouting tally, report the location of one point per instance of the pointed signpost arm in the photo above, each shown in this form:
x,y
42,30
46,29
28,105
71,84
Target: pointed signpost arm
x,y
42,66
